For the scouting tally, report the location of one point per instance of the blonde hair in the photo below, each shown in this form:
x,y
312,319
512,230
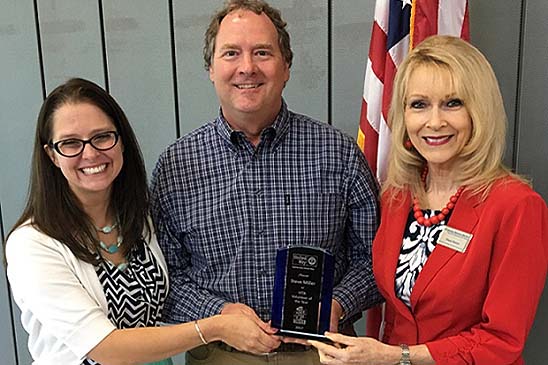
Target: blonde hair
x,y
474,82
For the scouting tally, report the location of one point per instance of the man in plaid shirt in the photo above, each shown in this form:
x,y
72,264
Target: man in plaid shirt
x,y
226,196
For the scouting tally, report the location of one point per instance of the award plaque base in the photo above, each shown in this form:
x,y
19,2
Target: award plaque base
x,y
303,289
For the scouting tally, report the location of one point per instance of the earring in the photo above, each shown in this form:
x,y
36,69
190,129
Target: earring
x,y
408,144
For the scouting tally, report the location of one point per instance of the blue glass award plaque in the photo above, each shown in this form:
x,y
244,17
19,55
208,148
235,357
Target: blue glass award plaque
x,y
303,287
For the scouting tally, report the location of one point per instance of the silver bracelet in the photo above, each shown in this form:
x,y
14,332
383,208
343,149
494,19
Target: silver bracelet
x,y
405,356
200,332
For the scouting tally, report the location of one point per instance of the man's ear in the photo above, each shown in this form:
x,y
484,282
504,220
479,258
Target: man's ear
x,y
51,154
287,72
211,74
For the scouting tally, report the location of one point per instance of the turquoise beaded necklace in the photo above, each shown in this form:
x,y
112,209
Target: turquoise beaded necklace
x,y
107,230
112,249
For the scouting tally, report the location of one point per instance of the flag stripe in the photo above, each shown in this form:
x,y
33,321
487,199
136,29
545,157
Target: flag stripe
x,y
381,14
377,51
425,21
465,31
372,97
451,16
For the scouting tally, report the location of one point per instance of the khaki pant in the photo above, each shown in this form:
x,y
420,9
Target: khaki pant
x,y
220,354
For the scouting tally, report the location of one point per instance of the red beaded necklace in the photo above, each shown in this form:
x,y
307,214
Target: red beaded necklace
x,y
427,222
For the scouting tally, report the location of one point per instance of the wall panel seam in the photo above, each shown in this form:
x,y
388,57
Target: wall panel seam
x,y
39,46
330,62
174,68
104,44
517,110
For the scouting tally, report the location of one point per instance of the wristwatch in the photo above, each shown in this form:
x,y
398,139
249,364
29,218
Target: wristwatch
x,y
405,357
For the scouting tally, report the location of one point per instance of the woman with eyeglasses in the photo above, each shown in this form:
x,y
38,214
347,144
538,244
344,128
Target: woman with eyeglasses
x,y
83,261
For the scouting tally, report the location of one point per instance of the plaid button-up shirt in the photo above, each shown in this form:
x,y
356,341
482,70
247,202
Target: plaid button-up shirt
x,y
222,207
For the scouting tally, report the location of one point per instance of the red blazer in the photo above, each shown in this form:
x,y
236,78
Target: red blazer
x,y
475,307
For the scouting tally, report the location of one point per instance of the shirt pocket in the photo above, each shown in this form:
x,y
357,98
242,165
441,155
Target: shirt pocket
x,y
313,218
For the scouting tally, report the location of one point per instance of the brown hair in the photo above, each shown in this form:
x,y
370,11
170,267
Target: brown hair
x,y
51,205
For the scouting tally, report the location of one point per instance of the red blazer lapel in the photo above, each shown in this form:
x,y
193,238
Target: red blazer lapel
x,y
393,221
463,218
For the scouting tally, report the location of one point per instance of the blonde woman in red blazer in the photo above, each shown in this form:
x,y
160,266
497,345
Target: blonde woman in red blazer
x,y
461,254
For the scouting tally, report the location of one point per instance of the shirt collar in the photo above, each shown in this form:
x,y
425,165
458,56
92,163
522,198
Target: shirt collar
x,y
275,132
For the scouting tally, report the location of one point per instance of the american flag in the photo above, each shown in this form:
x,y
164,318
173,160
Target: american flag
x,y
398,26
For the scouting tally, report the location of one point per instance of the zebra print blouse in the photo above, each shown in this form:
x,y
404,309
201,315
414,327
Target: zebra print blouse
x,y
418,243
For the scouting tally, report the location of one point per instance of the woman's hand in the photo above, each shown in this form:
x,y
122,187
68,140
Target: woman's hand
x,y
356,350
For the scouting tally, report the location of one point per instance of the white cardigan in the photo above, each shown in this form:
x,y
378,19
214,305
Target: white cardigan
x,y
63,306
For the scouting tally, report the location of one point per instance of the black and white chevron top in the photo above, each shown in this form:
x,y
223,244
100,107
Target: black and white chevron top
x,y
136,295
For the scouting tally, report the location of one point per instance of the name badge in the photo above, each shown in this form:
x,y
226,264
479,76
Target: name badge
x,y
454,239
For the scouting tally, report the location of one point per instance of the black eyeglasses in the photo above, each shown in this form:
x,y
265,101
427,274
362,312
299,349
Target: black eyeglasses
x,y
72,147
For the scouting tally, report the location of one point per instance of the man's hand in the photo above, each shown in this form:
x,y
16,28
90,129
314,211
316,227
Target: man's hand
x,y
248,332
336,314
